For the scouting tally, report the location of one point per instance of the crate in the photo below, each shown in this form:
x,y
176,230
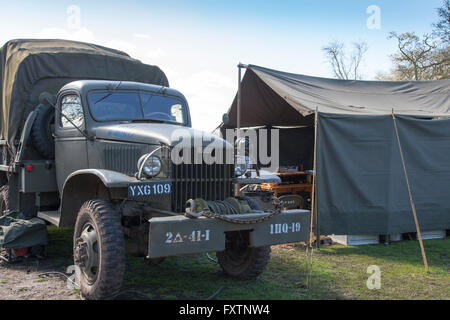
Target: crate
x,y
355,240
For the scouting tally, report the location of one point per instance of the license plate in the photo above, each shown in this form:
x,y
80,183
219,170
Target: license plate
x,y
153,188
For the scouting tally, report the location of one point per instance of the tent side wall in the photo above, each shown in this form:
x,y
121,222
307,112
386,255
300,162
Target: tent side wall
x,y
361,185
262,106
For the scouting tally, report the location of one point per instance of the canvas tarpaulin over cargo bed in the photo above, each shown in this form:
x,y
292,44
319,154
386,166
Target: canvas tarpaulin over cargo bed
x,y
361,186
29,67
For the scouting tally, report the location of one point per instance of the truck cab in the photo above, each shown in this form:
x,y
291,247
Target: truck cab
x,y
105,129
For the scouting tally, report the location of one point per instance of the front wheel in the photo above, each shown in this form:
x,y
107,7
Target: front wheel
x,y
99,249
241,261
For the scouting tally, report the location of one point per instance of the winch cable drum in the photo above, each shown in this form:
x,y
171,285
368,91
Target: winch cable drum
x,y
228,206
222,209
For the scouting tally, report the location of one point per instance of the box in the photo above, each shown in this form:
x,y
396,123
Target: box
x,y
355,240
438,234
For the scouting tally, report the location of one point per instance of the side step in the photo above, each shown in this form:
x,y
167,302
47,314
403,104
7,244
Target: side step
x,y
50,216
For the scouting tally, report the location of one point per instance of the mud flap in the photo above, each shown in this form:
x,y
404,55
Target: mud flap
x,y
177,235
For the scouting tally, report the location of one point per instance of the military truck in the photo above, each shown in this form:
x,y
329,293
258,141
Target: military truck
x,y
87,141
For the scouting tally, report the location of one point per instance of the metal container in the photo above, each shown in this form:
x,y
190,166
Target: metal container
x,y
355,240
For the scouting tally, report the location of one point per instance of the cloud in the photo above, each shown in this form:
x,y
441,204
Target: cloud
x,y
141,36
156,53
122,45
208,79
171,73
81,34
209,95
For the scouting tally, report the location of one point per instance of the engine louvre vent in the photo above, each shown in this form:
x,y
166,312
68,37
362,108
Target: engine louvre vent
x,y
122,157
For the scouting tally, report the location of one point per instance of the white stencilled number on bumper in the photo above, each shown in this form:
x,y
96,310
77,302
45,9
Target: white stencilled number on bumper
x,y
279,228
194,236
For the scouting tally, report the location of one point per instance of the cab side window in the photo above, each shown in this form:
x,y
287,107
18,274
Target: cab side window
x,y
72,110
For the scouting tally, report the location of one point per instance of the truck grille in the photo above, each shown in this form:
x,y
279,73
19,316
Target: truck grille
x,y
210,182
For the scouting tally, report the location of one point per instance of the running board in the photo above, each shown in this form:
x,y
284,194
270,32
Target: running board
x,y
50,216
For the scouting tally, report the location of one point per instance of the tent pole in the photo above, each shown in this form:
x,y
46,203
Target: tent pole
x,y
314,186
239,100
238,117
309,253
413,207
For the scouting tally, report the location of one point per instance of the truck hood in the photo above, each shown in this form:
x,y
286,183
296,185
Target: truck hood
x,y
155,133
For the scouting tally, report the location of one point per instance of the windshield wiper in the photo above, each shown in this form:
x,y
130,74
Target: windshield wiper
x,y
110,92
161,90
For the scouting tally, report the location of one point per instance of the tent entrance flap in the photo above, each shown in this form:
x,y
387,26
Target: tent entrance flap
x,y
361,184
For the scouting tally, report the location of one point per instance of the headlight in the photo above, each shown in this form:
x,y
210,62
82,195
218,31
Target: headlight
x,y
241,165
152,165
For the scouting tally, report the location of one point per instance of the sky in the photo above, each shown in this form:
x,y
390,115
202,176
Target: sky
x,y
198,44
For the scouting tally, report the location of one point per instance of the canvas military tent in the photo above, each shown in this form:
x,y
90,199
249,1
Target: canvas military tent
x,y
361,186
29,67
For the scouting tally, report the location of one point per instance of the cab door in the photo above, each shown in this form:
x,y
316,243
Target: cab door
x,y
70,143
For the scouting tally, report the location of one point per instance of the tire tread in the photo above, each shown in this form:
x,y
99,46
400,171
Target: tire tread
x,y
113,249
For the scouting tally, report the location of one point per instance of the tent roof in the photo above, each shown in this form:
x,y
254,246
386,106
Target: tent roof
x,y
271,97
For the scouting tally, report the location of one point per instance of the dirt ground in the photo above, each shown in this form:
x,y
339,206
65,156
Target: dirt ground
x,y
23,281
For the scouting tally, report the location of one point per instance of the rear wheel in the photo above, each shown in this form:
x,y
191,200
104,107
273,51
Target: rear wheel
x,y
99,249
241,261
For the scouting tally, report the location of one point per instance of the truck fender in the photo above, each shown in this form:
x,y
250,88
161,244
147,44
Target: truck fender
x,y
87,184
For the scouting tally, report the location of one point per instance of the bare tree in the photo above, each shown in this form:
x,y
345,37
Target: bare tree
x,y
423,58
442,27
418,58
345,66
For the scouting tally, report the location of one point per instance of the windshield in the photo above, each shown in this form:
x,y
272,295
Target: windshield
x,y
129,105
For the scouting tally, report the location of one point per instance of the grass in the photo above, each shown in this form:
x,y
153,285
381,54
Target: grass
x,y
339,272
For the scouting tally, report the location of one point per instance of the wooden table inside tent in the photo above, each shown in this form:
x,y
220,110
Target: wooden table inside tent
x,y
290,183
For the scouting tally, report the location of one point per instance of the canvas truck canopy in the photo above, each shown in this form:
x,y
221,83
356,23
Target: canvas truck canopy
x,y
29,67
361,185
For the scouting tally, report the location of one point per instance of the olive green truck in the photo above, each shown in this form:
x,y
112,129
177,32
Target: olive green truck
x,y
87,140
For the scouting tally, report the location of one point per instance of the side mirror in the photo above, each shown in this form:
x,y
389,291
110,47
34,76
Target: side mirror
x,y
47,98
225,118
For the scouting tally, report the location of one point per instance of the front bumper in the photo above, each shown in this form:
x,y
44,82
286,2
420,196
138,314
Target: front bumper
x,y
175,235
